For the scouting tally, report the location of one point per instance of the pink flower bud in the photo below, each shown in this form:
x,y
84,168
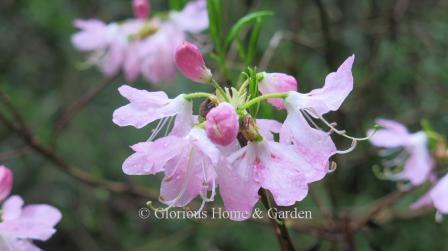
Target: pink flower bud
x,y
277,82
141,8
5,182
222,124
190,62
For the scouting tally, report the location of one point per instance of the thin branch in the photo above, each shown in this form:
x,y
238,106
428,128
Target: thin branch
x,y
71,111
14,153
61,164
280,230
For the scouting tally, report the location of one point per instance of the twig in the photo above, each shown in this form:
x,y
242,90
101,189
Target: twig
x,y
70,112
61,164
14,153
284,35
280,230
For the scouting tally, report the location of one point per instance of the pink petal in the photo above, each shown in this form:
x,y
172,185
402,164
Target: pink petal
x,y
193,18
239,193
45,215
93,35
268,127
6,180
12,208
439,195
282,175
394,134
418,166
313,145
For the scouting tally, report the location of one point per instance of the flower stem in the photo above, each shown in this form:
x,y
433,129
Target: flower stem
x,y
264,97
194,95
219,89
280,230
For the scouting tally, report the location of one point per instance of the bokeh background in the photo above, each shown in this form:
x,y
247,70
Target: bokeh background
x,y
401,72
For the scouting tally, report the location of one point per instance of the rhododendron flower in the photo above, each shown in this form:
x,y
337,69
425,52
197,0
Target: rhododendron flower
x,y
190,62
277,82
5,182
314,144
188,163
411,148
197,155
140,45
20,225
222,124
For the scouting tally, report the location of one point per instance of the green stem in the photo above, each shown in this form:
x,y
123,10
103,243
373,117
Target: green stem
x,y
264,97
219,89
194,95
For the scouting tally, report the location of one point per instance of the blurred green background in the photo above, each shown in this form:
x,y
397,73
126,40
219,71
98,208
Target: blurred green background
x,y
401,72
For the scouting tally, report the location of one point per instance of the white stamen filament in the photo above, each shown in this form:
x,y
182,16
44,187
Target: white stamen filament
x,y
351,148
159,127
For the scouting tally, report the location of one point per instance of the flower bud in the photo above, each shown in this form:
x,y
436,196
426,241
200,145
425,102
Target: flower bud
x,y
5,182
222,124
249,129
190,62
277,82
141,8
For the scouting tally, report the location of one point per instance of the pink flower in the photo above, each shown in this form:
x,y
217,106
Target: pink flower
x,y
265,164
140,46
146,107
277,82
222,124
141,8
20,225
6,178
188,163
190,62
412,149
314,144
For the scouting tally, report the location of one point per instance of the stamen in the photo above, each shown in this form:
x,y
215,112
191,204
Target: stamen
x,y
159,127
351,148
337,131
438,217
168,127
309,119
333,167
182,191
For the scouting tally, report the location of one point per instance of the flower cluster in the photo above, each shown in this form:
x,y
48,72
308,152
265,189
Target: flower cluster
x,y
226,146
20,225
415,164
140,45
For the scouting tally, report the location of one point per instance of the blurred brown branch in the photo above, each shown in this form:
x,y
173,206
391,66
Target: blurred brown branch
x,y
27,136
69,113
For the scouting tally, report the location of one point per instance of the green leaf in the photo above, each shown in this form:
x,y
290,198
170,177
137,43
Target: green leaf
x,y
177,4
214,16
252,46
243,22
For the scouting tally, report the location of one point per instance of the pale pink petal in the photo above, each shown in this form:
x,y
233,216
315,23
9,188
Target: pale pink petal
x,y
12,208
337,87
9,243
204,145
151,157
281,173
184,120
146,107
42,214
418,166
193,18
268,127
25,229
439,195
132,62
313,145
112,61
239,193
277,82
392,135
93,35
